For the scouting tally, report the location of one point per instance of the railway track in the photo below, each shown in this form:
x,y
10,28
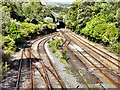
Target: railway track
x,y
110,77
46,67
31,73
29,57
38,60
108,58
24,63
19,72
59,78
85,69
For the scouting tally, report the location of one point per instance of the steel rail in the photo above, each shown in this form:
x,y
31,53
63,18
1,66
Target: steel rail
x,y
49,70
96,80
86,68
60,81
111,80
79,74
41,62
97,52
37,68
101,63
41,74
43,65
20,67
98,49
19,72
53,65
31,76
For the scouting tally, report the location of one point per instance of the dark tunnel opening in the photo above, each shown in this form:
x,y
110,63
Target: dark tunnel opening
x,y
60,24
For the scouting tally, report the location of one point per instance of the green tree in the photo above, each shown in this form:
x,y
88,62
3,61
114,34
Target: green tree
x,y
13,31
15,9
48,20
5,20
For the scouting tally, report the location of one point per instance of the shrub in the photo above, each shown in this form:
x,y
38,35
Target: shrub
x,y
8,44
54,45
48,20
27,28
2,68
52,26
27,20
13,31
111,34
45,26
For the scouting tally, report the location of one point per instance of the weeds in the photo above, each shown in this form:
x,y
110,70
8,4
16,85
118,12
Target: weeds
x,y
54,46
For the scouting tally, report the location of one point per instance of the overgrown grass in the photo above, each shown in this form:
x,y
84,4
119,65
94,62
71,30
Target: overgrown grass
x,y
114,48
68,69
54,46
3,69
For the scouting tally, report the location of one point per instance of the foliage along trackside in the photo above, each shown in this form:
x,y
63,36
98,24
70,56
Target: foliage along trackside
x,y
98,21
54,45
22,21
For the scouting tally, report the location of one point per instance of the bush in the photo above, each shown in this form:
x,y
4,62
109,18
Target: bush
x,y
2,68
27,20
48,20
64,54
13,31
52,26
111,34
45,26
8,44
27,28
63,61
54,45
100,29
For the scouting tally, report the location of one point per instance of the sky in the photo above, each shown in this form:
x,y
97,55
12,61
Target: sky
x,y
57,0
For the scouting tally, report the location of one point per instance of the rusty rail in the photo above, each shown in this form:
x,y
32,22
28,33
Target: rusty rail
x,y
19,72
106,76
63,84
98,50
42,63
96,80
31,75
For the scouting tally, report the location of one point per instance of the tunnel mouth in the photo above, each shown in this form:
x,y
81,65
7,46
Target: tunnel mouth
x,y
61,24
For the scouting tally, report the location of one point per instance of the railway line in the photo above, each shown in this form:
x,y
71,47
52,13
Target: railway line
x,y
19,71
49,79
83,68
42,72
112,61
46,66
24,67
59,78
110,75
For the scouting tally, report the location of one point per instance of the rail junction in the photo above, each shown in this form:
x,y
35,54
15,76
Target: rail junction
x,y
91,65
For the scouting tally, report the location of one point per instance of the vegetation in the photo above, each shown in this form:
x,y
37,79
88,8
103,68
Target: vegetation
x,y
22,20
3,70
4,67
54,46
98,21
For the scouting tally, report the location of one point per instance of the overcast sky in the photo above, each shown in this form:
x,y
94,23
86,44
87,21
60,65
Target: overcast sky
x,y
57,0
